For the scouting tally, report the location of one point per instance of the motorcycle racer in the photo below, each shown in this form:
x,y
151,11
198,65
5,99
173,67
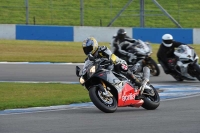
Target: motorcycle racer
x,y
165,52
120,42
90,46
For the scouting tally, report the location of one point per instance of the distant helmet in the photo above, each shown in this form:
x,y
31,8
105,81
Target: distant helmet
x,y
167,40
90,45
121,34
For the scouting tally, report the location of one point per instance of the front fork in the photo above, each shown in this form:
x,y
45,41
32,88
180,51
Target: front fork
x,y
104,90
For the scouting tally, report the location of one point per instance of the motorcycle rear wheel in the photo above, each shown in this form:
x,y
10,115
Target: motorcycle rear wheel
x,y
151,102
105,104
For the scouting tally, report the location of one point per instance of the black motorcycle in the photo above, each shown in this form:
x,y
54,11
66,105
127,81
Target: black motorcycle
x,y
142,51
109,89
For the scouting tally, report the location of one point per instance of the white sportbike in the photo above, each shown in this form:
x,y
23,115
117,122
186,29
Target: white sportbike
x,y
186,66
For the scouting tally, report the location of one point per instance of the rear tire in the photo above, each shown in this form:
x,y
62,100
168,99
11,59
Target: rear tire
x,y
105,104
151,102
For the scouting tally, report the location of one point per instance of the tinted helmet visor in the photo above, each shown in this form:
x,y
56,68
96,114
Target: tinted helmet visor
x,y
168,41
87,49
88,46
121,36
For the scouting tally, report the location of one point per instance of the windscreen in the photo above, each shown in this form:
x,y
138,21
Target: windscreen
x,y
88,64
181,49
143,45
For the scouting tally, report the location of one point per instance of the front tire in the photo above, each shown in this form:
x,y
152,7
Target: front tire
x,y
105,104
151,102
153,66
177,77
197,71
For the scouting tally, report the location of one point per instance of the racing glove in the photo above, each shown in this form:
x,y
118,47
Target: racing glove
x,y
120,61
171,63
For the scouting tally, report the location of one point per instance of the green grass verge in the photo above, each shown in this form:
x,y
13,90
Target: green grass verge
x,y
38,51
19,95
100,13
48,51
23,95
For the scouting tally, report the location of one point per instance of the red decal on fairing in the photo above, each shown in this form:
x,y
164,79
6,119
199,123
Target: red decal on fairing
x,y
127,97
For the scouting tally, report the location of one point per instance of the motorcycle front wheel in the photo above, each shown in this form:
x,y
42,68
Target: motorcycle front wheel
x,y
102,102
177,77
153,66
197,71
151,102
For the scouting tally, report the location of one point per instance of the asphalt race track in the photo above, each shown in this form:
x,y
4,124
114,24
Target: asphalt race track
x,y
179,111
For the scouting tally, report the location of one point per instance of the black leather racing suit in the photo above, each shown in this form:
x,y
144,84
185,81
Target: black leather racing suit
x,y
164,53
119,46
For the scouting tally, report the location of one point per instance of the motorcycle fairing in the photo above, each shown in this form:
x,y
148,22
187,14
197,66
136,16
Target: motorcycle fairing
x,y
142,48
185,53
186,56
126,97
126,93
109,77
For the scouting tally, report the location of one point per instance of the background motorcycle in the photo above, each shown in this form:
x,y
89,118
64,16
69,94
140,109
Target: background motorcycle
x,y
185,66
142,51
109,90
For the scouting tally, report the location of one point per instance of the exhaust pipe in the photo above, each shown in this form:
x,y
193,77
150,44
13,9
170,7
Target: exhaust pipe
x,y
146,72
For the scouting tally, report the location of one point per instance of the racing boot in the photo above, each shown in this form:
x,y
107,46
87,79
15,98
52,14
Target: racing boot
x,y
134,79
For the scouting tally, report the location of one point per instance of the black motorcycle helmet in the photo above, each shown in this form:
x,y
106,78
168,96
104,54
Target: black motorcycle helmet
x,y
90,45
121,34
